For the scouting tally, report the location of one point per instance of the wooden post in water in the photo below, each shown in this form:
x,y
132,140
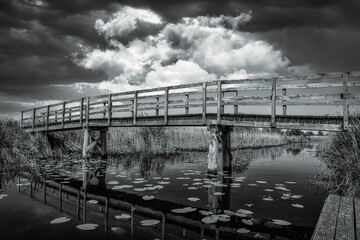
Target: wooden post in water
x,y
60,197
132,221
84,207
106,214
78,205
219,157
44,197
163,225
86,142
103,144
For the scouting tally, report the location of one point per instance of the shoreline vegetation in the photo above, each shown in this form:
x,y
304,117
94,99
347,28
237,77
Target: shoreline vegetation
x,y
19,148
341,156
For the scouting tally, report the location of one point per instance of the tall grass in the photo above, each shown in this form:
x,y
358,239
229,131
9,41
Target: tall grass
x,y
341,155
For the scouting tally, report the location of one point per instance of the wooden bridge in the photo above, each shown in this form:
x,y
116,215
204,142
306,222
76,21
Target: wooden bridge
x,y
279,102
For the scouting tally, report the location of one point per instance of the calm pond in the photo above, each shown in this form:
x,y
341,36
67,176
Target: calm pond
x,y
268,196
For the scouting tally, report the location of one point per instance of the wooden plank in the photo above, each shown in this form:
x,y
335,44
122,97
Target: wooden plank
x,y
284,102
219,101
135,107
163,226
204,92
273,103
345,229
166,111
346,102
326,225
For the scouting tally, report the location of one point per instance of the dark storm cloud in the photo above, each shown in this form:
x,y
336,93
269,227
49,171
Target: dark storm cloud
x,y
38,40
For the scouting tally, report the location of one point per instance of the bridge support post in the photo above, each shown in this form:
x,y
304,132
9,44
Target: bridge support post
x,y
95,138
220,157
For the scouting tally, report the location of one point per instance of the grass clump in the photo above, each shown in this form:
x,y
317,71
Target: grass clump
x,y
341,155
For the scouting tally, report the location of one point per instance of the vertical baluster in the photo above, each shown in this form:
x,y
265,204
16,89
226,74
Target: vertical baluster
x,y
284,101
273,103
33,120
63,115
87,113
135,104
109,109
166,111
204,93
81,111
346,101
219,101
157,106
187,104
21,118
47,117
236,108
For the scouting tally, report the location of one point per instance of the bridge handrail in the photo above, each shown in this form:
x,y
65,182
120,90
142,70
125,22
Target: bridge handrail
x,y
203,95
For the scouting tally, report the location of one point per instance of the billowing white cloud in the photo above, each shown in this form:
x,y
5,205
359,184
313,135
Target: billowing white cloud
x,y
126,21
195,49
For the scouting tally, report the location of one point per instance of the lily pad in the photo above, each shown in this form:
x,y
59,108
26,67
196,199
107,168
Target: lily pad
x,y
247,222
193,199
281,222
243,230
112,182
209,220
147,197
118,230
150,222
289,182
60,220
123,216
269,198
87,226
297,205
3,195
205,213
184,210
261,182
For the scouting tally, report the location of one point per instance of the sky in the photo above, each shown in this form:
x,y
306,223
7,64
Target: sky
x,y
55,50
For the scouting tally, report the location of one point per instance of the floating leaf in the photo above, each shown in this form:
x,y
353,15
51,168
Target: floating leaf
x,y
140,189
113,182
3,195
268,198
247,222
252,184
296,196
281,222
297,205
244,211
261,182
288,182
197,179
156,177
118,230
269,190
123,216
183,178
60,220
87,226
193,199
162,183
192,188
205,213
283,189
92,202
147,197
243,230
150,222
249,204
229,213
209,220
184,210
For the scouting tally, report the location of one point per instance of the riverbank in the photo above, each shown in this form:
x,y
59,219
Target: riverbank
x,y
16,144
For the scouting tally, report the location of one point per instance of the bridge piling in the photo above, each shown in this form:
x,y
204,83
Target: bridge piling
x,y
91,141
219,157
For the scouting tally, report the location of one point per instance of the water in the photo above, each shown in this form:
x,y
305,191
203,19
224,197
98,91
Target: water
x,y
266,184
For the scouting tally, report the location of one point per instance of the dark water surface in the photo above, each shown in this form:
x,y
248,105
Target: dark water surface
x,y
267,185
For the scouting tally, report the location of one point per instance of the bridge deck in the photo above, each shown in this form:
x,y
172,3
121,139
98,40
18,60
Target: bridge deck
x,y
225,102
339,219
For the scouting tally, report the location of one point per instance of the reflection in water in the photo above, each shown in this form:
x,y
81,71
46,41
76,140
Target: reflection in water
x,y
119,185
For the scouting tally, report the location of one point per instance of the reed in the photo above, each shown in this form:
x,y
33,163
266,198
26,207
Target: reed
x,y
341,156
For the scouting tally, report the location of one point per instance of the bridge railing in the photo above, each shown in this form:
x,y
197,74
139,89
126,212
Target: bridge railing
x,y
273,96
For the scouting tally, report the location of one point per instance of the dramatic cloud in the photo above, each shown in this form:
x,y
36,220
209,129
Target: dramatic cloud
x,y
195,49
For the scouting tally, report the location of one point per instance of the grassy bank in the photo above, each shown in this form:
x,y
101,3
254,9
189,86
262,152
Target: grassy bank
x,y
341,155
20,147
